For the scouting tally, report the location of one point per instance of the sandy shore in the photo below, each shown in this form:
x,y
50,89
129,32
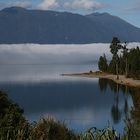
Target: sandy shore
x,y
122,79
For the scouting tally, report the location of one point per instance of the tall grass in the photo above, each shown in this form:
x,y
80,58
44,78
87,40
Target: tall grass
x,y
96,134
50,129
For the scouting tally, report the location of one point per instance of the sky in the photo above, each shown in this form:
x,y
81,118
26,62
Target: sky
x,y
128,10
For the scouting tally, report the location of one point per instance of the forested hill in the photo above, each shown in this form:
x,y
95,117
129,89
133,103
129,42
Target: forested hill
x,y
19,25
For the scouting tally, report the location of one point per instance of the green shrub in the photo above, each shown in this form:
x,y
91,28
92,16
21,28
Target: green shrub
x,y
52,130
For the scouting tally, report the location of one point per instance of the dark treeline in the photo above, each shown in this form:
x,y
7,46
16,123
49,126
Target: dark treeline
x,y
124,61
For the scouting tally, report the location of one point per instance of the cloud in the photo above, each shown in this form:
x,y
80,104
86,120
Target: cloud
x,y
57,59
48,4
49,54
22,3
84,5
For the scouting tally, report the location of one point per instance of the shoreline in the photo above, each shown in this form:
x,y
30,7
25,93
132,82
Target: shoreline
x,y
97,74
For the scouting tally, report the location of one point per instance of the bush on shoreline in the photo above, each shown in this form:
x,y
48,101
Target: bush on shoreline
x,y
124,61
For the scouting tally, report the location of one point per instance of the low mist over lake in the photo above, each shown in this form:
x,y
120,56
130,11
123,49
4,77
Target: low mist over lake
x,y
57,59
53,54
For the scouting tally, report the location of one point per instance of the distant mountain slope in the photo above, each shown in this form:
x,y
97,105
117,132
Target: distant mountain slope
x,y
18,25
115,26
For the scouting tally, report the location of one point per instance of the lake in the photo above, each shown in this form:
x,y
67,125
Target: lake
x,y
31,74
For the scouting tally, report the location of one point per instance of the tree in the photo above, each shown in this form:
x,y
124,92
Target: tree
x,y
125,58
134,63
126,61
11,117
102,64
114,48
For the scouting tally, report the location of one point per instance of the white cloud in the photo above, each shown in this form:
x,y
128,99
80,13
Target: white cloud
x,y
22,3
83,5
56,4
48,4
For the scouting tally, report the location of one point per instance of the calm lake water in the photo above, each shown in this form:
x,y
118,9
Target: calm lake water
x,y
39,88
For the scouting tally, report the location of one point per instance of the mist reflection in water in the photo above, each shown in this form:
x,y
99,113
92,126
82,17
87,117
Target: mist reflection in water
x,y
79,102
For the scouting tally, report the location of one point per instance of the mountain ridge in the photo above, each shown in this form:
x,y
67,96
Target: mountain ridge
x,y
19,25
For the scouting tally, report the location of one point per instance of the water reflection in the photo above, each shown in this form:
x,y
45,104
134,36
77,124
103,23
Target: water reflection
x,y
81,103
131,113
116,111
40,73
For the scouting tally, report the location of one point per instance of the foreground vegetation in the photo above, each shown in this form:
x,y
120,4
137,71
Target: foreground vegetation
x,y
124,61
14,126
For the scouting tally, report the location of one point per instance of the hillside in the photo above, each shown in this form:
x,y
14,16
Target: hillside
x,y
19,25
